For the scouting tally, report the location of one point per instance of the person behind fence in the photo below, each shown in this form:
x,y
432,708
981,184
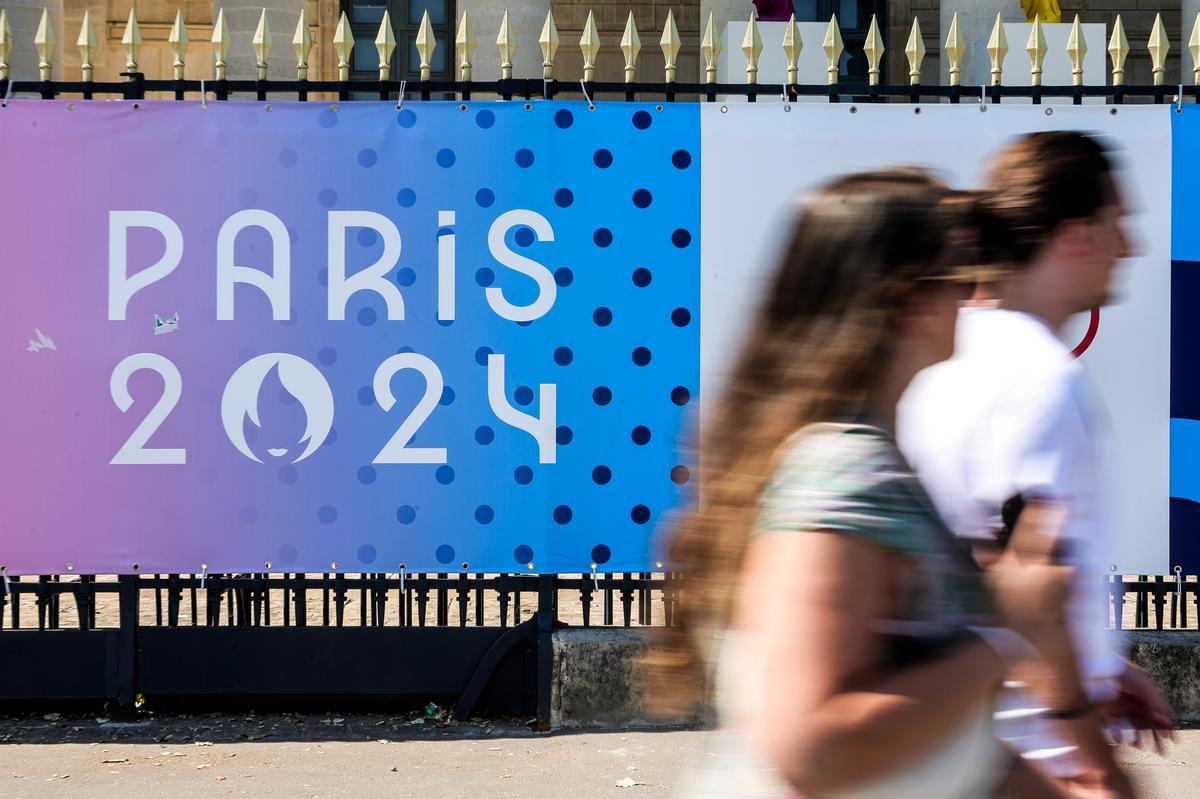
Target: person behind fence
x,y
1011,427
856,647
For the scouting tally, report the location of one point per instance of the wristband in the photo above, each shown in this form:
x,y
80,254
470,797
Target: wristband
x,y
1071,713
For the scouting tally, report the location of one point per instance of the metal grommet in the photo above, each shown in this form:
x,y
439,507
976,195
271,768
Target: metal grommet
x,y
462,107
1178,569
787,107
917,110
1112,111
658,564
267,565
528,106
267,107
70,106
1049,112
402,567
658,108
1179,109
136,106
333,108
465,565
333,566
724,109
853,109
1112,568
136,567
529,566
71,567
983,108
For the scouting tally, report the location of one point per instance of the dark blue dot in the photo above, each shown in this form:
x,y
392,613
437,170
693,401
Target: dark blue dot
x,y
447,396
523,395
563,435
523,475
327,119
367,237
563,118
444,553
640,435
405,276
563,356
680,475
602,317
682,159
642,120
406,118
602,237
403,350
327,514
563,276
523,554
446,158
562,514
288,158
445,322
367,158
526,323
327,198
642,198
288,475
641,277
601,554
323,277
563,198
406,198
602,158
484,198
640,514
602,395
601,475
366,316
484,276
481,355
680,395
366,395
366,475
523,237
681,317
406,514
524,157
681,238
641,356
484,434
327,355
484,514
444,475
366,554
485,119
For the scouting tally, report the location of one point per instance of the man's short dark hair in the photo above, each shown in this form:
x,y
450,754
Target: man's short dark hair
x,y
1044,179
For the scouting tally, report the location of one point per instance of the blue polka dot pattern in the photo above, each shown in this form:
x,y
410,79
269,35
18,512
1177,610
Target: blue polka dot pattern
x,y
618,188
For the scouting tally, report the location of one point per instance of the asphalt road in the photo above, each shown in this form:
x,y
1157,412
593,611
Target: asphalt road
x,y
310,756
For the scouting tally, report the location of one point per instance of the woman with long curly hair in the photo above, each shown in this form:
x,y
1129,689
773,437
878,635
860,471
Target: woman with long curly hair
x,y
853,647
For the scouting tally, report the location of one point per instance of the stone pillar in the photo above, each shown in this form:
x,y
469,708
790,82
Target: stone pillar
x,y
242,17
526,18
23,17
975,21
1190,9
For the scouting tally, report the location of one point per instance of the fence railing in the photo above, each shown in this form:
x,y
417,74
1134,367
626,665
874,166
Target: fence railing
x,y
1118,48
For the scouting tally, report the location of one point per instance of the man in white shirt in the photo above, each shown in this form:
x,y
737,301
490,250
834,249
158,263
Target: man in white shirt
x,y
1012,421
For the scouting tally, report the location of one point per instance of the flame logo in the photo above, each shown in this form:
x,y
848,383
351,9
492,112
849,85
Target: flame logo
x,y
299,377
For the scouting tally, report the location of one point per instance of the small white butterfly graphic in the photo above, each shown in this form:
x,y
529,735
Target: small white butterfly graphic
x,y
168,326
43,342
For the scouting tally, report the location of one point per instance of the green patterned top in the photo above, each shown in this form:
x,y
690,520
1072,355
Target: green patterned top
x,y
851,478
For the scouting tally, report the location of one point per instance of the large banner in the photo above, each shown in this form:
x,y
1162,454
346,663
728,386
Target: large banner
x,y
355,337
312,337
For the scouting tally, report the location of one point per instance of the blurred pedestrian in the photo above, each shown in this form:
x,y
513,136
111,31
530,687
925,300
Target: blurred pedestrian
x,y
1010,440
857,647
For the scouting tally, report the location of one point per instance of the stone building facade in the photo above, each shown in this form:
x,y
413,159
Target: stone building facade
x,y
527,16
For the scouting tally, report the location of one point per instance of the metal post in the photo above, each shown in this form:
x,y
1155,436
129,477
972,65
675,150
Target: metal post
x,y
545,648
126,665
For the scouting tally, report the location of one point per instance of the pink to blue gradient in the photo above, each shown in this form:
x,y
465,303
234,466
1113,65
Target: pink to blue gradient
x,y
619,185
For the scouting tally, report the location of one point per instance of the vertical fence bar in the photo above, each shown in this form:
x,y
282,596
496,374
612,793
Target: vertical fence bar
x,y
126,665
545,648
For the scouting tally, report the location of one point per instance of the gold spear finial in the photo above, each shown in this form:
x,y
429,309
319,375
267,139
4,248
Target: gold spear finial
x,y
954,49
873,48
220,42
1158,46
833,47
1076,49
343,45
792,47
710,46
1036,47
1118,49
87,46
631,45
44,40
262,42
752,49
670,44
997,48
548,42
302,43
426,44
464,42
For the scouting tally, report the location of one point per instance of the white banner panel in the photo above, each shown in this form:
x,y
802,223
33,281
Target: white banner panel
x,y
757,157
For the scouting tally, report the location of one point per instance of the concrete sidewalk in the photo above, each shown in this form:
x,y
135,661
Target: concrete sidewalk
x,y
298,757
